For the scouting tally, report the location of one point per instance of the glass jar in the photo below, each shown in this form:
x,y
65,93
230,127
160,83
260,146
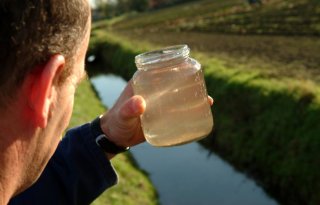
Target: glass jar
x,y
177,107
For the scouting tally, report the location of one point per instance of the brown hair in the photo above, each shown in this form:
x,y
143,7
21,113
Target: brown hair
x,y
33,30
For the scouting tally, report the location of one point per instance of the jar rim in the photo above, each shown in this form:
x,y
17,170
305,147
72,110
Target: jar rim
x,y
162,55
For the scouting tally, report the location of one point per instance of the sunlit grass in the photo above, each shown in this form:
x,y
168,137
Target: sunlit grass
x,y
87,106
280,38
267,124
264,78
276,17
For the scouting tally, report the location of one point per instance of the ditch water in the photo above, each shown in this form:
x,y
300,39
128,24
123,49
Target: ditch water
x,y
188,174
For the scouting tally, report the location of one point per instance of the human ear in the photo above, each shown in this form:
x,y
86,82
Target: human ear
x,y
40,92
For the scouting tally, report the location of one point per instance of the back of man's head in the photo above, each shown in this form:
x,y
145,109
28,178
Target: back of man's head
x,y
32,31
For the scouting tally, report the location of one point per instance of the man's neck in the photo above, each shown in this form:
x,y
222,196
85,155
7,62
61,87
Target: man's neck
x,y
4,196
9,165
8,181
14,144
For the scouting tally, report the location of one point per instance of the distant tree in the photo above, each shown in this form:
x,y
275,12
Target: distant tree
x,y
182,1
106,8
123,6
111,8
155,4
139,5
255,2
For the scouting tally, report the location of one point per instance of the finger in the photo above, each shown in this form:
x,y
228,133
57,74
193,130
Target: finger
x,y
125,95
210,100
132,108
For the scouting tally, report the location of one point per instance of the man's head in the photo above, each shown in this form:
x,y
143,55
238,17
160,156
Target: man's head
x,y
32,31
42,50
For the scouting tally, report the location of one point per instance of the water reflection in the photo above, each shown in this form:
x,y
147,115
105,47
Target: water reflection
x,y
185,175
109,88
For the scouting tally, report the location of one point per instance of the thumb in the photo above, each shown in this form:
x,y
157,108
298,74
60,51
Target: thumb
x,y
132,108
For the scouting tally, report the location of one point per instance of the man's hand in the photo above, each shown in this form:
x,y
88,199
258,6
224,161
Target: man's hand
x,y
122,124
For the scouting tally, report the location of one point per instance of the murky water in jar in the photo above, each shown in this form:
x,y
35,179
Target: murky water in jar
x,y
177,109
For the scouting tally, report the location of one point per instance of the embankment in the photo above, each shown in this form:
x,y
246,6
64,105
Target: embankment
x,y
267,126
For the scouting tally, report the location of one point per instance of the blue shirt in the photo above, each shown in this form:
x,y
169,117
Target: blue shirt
x,y
77,173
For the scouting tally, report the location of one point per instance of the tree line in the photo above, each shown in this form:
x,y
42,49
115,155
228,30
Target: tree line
x,y
111,8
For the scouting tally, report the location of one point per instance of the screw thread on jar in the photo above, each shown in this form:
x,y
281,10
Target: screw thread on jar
x,y
162,58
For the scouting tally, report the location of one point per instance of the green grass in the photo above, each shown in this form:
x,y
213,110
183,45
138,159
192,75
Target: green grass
x,y
276,17
277,56
85,95
134,187
266,125
280,39
261,66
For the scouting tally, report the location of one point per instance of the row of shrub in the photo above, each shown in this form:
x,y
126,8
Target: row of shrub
x,y
266,127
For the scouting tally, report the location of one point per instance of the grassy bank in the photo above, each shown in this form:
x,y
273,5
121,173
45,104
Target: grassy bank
x,y
266,125
274,17
280,38
134,187
262,67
